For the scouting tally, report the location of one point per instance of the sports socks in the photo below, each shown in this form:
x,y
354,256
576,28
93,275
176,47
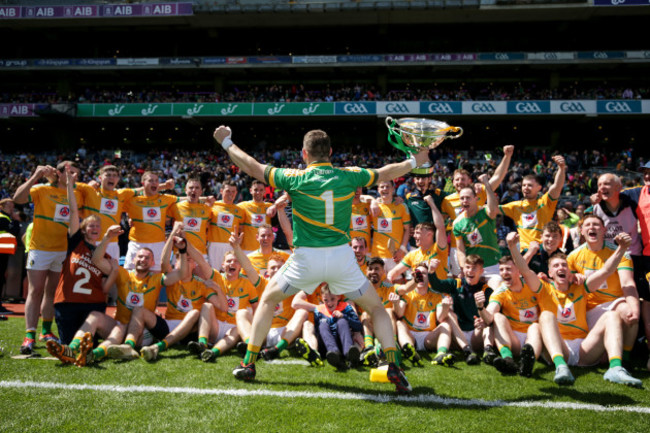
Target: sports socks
x,y
368,340
627,350
31,334
558,360
505,352
393,356
130,342
46,327
615,362
251,354
74,344
203,340
216,351
282,344
162,345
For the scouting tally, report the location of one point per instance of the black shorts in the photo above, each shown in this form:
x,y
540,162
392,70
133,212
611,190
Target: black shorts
x,y
70,316
160,329
641,269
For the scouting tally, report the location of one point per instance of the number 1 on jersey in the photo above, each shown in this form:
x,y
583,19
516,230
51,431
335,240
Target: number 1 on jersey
x,y
328,198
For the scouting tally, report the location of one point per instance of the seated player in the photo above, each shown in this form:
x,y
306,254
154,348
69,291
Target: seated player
x,y
336,320
225,328
287,322
260,257
423,324
467,327
537,254
563,320
139,290
360,248
307,345
513,313
184,299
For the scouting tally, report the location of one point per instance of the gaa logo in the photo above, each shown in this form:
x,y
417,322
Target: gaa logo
x,y
192,222
384,224
185,303
360,220
259,219
109,205
151,213
231,303
135,299
65,211
529,314
225,218
421,319
566,313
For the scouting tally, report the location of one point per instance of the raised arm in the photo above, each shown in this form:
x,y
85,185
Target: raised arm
x,y
71,177
98,258
502,169
246,265
595,280
204,268
492,206
285,224
21,196
112,277
439,222
397,169
530,277
176,275
556,188
165,261
223,136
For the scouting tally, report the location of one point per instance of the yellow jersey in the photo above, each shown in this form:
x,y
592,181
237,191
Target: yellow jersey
x,y
240,294
390,224
530,216
520,308
360,222
136,292
184,297
254,217
108,205
415,257
149,216
420,312
225,219
570,308
585,261
196,219
51,217
260,260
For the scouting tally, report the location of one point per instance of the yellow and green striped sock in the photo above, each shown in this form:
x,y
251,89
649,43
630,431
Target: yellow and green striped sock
x,y
615,362
130,342
251,354
282,344
162,345
46,327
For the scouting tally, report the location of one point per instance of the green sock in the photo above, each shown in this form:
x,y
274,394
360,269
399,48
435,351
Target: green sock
x,y
558,360
368,340
392,355
99,353
162,345
203,340
130,342
442,349
46,327
627,351
31,334
74,344
615,362
505,352
251,354
282,344
216,351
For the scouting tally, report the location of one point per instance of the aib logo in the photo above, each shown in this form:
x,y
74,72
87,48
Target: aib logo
x,y
421,318
109,205
135,299
360,220
225,218
259,218
473,237
529,314
185,303
384,224
277,308
151,213
231,303
65,211
192,222
566,312
529,217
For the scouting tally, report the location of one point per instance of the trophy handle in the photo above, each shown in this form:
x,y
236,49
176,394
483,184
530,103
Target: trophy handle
x,y
389,122
453,129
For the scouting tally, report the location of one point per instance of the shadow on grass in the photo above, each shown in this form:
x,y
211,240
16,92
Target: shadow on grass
x,y
601,398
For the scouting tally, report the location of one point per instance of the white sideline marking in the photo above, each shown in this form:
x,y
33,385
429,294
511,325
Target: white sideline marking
x,y
383,398
287,362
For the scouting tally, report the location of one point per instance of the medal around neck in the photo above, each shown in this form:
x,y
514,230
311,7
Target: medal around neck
x,y
410,135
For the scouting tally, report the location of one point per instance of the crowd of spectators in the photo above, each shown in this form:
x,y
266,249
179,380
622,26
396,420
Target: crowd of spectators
x,y
335,92
213,167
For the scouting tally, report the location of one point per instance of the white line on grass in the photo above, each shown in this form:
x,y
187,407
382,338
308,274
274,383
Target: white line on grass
x,y
383,398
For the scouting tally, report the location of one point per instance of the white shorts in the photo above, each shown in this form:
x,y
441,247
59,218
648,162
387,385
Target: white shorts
x,y
113,250
521,336
45,260
306,268
173,324
574,350
223,328
419,337
133,249
274,336
216,253
595,313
